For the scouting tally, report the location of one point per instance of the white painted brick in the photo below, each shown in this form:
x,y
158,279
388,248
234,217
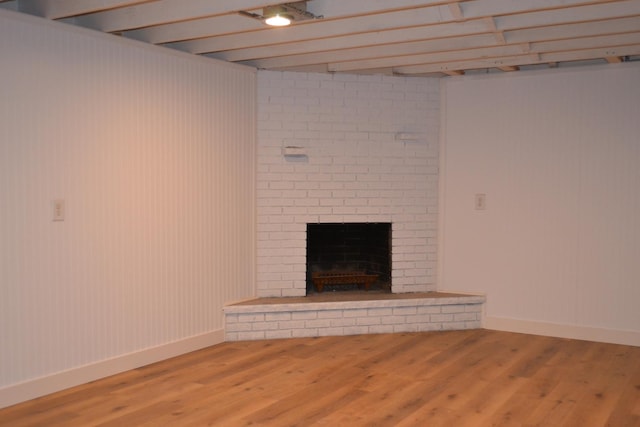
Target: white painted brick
x,y
379,312
453,309
253,335
250,317
441,318
473,324
459,317
418,318
278,334
317,323
343,322
264,326
367,321
393,320
238,327
291,324
348,125
269,317
304,315
330,314
429,309
358,312
452,326
404,311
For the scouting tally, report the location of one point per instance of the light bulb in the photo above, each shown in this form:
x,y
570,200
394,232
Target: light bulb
x,y
278,21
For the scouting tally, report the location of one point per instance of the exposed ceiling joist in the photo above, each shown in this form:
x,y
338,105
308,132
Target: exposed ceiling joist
x,y
421,37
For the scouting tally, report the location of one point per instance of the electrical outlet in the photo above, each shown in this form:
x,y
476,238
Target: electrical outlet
x,y
480,201
58,210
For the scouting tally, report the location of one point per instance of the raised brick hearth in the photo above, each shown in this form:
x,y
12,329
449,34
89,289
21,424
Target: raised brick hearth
x,y
271,318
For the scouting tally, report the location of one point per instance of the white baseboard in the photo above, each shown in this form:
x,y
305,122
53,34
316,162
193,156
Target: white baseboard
x,y
560,330
62,380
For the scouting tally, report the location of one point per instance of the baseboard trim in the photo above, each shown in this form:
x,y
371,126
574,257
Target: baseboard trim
x,y
613,336
32,389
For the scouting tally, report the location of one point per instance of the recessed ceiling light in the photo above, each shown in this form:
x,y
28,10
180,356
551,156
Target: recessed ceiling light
x,y
279,20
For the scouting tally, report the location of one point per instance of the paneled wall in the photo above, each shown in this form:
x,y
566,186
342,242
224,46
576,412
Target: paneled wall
x,y
370,148
557,155
153,153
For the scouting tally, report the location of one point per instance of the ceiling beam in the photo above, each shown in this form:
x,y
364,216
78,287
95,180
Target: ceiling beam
x,y
480,8
582,29
437,50
162,12
423,33
427,58
57,9
456,11
530,59
212,26
322,29
495,51
590,12
371,52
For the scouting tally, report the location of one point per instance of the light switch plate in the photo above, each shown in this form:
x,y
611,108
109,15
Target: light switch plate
x,y
58,210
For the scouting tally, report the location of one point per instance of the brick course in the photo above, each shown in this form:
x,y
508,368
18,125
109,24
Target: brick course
x,y
251,322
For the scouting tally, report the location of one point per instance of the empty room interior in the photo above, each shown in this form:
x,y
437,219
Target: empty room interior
x,y
374,213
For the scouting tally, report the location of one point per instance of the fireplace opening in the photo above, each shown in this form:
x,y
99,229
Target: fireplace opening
x,y
348,257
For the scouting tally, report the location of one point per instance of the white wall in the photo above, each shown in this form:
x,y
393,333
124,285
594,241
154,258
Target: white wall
x,y
557,154
153,152
356,170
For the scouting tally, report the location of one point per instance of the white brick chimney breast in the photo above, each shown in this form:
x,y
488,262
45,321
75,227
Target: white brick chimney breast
x,y
346,148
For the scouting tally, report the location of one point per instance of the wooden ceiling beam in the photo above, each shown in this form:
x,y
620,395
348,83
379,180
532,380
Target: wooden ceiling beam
x,y
323,29
57,9
381,52
576,30
162,12
424,35
509,68
435,51
530,59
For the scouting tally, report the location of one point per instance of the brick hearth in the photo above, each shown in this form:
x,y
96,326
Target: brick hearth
x,y
325,315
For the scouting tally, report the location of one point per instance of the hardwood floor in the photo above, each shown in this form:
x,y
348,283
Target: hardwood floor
x,y
458,378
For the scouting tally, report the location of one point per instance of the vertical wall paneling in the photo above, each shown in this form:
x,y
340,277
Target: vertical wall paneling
x,y
557,155
153,152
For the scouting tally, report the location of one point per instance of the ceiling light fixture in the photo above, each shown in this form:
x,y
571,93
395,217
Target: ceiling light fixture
x,y
279,20
281,15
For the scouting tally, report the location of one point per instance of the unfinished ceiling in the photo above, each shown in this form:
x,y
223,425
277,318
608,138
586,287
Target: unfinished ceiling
x,y
401,37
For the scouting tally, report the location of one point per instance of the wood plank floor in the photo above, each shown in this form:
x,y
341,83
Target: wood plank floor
x,y
458,378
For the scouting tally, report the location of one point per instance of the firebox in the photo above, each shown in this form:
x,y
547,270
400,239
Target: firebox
x,y
348,256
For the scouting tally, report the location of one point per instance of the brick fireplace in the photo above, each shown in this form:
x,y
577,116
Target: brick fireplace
x,y
365,150
344,149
